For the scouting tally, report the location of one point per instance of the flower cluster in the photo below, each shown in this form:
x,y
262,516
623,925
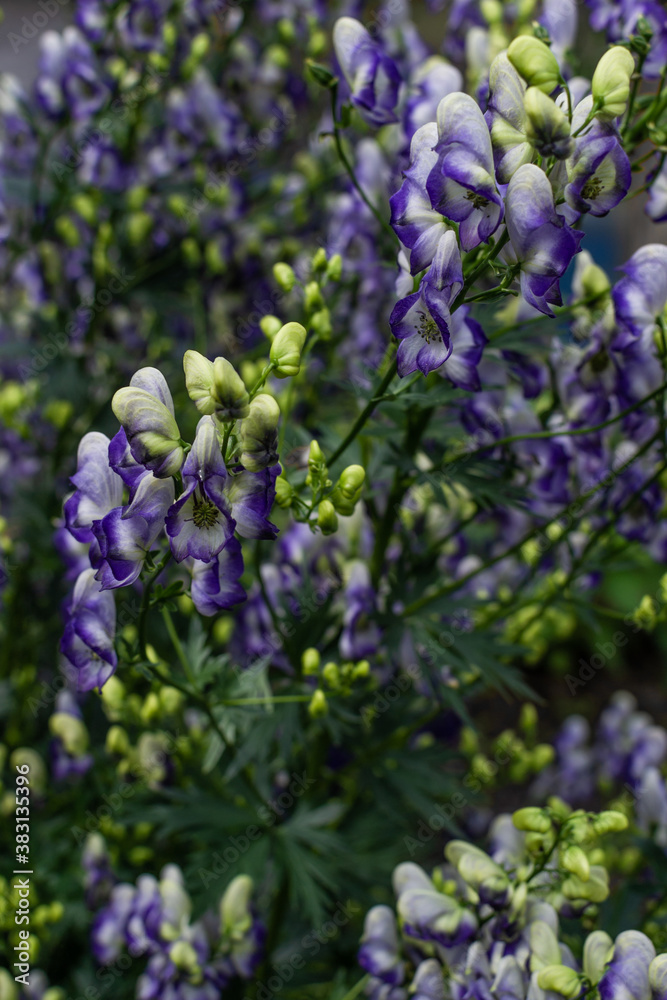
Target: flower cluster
x,y
488,924
185,958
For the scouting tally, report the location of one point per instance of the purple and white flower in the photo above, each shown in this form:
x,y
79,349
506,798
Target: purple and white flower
x,y
371,75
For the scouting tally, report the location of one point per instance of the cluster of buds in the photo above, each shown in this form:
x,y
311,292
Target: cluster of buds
x,y
336,678
515,757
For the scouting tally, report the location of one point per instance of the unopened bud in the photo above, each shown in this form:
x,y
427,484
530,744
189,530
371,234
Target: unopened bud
x,y
310,661
560,979
532,819
286,349
547,128
285,276
335,268
259,437
318,705
269,325
327,519
575,861
535,62
70,731
117,741
284,492
611,82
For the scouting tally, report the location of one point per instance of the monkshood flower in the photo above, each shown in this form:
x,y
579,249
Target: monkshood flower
x,y
434,79
428,982
372,77
126,534
259,434
123,462
598,172
478,870
627,974
428,914
468,341
215,386
146,412
640,297
360,637
99,878
421,320
242,934
88,639
98,487
462,185
70,744
200,523
543,245
417,225
379,954
547,127
216,583
68,81
651,807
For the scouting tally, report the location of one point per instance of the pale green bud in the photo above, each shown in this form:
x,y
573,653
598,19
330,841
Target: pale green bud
x,y
310,661
37,770
318,705
610,821
535,62
611,82
139,225
84,206
231,394
184,957
284,492
113,695
331,674
286,349
476,868
320,322
67,230
335,268
595,889
544,947
150,709
313,300
117,741
320,260
594,282
8,988
598,950
547,127
361,670
528,719
259,438
327,519
560,979
235,915
171,700
542,755
532,819
574,860
315,457
285,276
71,731
348,489
269,325
150,426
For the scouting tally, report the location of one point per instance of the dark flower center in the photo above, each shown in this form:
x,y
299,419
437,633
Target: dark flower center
x,y
478,201
592,188
205,514
599,361
427,328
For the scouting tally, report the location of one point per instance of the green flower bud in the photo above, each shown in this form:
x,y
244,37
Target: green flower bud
x,y
259,437
320,322
335,268
285,276
235,915
67,230
611,82
37,770
84,206
117,741
331,674
610,822
320,74
139,225
547,127
313,297
184,957
327,519
315,457
595,889
318,705
574,860
71,731
284,492
150,710
215,386
560,979
532,819
310,661
594,282
269,325
320,260
476,868
150,426
8,988
286,349
361,670
544,947
542,755
535,62
598,950
171,700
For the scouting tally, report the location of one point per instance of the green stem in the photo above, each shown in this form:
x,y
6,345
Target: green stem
x,y
178,647
356,989
145,602
364,415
